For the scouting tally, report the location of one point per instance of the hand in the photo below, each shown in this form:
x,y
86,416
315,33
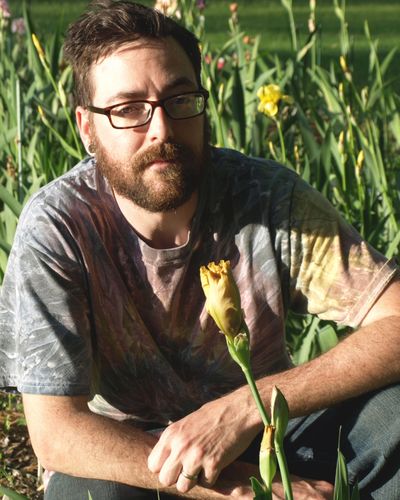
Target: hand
x,y
203,443
304,489
240,472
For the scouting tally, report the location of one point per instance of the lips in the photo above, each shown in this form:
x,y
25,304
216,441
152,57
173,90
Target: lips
x,y
160,162
163,160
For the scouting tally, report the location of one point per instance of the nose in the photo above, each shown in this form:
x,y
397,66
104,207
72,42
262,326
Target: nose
x,y
160,127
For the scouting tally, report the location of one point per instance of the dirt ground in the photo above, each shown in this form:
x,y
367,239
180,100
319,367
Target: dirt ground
x,y
18,464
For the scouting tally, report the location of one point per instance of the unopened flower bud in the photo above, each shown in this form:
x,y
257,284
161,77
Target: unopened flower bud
x,y
341,142
360,163
268,462
222,297
41,112
233,7
271,148
38,47
279,415
220,63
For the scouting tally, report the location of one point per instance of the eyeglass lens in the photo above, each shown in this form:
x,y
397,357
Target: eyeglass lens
x,y
137,113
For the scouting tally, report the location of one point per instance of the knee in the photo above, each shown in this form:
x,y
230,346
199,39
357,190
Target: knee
x,y
64,487
372,443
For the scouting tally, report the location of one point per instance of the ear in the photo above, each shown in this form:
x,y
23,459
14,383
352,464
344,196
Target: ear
x,y
82,120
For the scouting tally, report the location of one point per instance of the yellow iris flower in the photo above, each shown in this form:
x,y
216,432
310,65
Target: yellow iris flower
x,y
270,97
222,297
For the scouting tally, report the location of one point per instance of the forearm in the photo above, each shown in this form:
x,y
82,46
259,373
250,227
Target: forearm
x,y
364,361
87,445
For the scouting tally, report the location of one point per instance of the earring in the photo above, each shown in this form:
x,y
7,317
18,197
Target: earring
x,y
90,150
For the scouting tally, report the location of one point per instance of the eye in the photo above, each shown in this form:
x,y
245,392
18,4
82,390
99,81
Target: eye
x,y
129,109
182,100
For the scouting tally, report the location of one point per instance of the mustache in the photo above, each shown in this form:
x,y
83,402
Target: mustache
x,y
168,151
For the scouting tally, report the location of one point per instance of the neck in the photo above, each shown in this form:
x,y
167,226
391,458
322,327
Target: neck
x,y
160,229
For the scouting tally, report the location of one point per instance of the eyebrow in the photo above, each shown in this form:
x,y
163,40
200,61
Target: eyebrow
x,y
133,95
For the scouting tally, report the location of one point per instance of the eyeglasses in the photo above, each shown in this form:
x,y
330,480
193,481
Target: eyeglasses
x,y
132,114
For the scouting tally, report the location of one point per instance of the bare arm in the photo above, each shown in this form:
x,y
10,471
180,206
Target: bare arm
x,y
362,362
365,360
68,438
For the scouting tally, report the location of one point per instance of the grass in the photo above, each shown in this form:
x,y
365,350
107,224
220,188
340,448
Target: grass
x,y
268,19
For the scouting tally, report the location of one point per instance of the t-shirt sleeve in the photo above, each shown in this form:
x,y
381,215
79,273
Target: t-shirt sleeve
x,y
45,344
334,273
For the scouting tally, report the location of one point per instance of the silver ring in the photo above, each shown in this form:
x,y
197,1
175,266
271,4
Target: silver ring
x,y
192,477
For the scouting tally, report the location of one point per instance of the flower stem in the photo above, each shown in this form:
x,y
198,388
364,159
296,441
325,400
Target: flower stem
x,y
281,140
283,469
256,395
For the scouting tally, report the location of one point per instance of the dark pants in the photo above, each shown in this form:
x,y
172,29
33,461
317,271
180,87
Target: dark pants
x,y
370,442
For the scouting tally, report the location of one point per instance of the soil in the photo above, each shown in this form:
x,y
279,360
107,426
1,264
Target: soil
x,y
18,464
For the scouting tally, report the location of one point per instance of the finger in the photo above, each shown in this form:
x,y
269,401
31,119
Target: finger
x,y
210,473
186,481
159,454
170,471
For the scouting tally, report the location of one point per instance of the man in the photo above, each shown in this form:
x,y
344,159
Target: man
x,y
103,325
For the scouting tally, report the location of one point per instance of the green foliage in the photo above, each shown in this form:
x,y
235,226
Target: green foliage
x,y
34,148
260,493
341,137
342,487
12,495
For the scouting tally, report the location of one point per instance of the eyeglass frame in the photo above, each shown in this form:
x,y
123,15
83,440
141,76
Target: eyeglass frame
x,y
154,104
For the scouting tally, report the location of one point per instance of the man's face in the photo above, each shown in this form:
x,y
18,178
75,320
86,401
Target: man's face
x,y
157,165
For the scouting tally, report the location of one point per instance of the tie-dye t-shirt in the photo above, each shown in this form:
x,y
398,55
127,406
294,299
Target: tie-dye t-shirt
x,y
88,308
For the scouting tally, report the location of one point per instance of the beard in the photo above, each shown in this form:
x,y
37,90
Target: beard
x,y
155,191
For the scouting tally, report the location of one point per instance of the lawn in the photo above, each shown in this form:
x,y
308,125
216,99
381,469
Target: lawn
x,y
265,17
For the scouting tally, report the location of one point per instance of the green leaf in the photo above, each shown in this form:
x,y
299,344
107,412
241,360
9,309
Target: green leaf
x,y
6,247
251,72
307,348
13,204
260,492
310,143
238,111
303,51
341,490
355,495
321,78
69,149
326,157
393,247
12,495
327,338
388,60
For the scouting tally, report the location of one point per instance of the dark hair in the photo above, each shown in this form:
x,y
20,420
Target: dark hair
x,y
107,25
